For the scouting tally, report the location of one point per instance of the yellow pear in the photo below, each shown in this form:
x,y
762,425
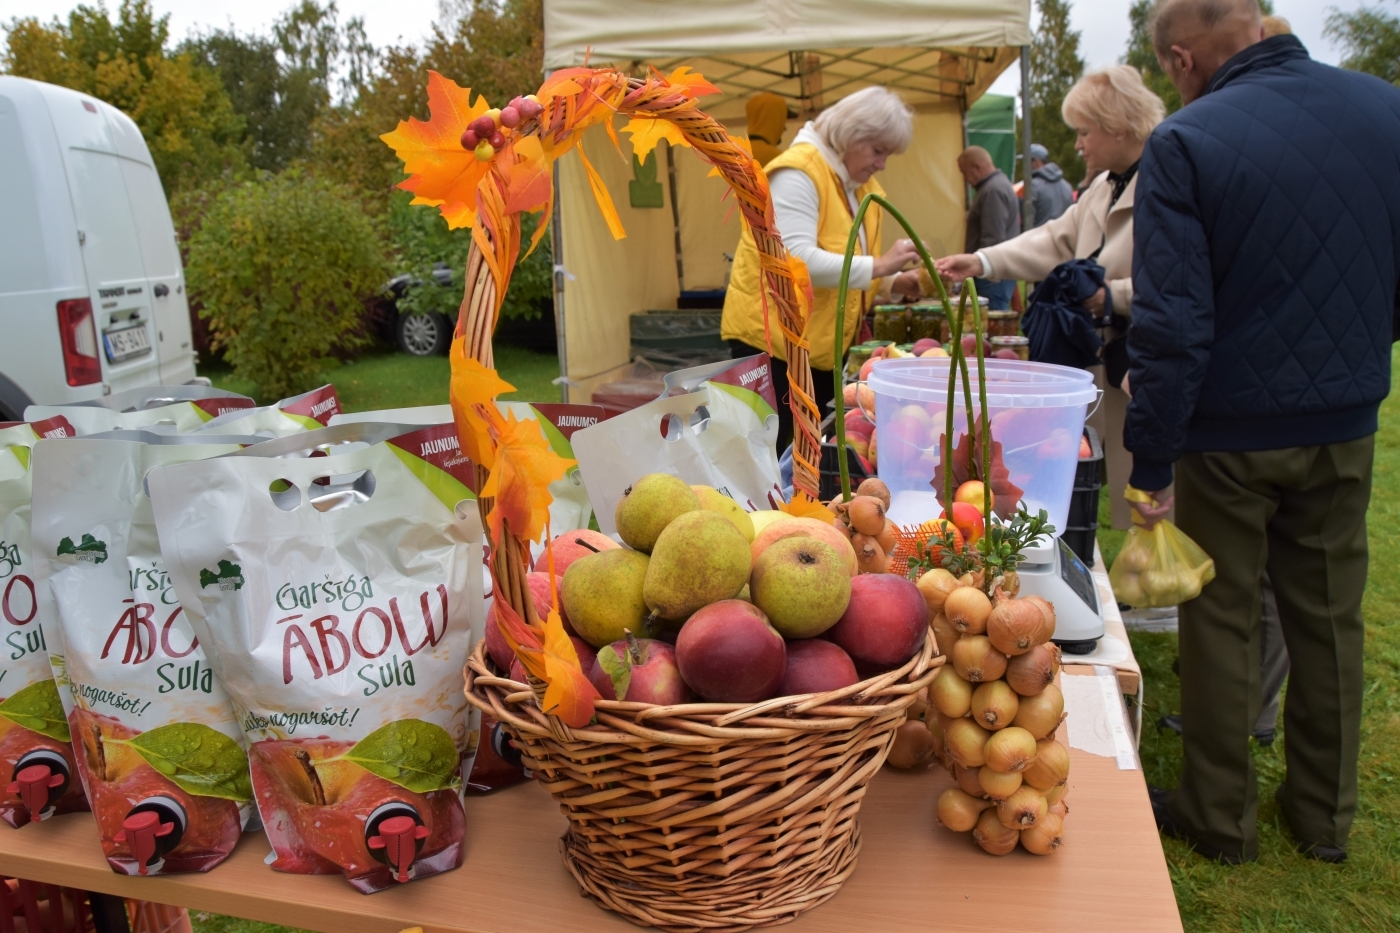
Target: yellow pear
x,y
649,505
700,558
712,500
765,517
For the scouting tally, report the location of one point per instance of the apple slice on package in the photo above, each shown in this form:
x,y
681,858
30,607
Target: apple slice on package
x,y
157,740
177,409
338,591
720,432
305,412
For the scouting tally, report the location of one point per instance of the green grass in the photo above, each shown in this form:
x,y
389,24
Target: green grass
x,y
1281,892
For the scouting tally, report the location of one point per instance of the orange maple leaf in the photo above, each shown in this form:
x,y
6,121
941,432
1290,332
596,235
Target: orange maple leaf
x,y
473,394
519,481
804,506
441,172
530,183
690,83
569,694
524,640
647,132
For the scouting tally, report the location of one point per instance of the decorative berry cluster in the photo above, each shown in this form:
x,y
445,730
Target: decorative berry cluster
x,y
487,133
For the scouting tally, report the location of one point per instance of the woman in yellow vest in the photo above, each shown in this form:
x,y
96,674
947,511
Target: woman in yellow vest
x,y
817,184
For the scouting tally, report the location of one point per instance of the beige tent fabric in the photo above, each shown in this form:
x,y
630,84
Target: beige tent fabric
x,y
647,30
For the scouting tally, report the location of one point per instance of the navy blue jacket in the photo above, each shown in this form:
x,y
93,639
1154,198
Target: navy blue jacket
x,y
1266,246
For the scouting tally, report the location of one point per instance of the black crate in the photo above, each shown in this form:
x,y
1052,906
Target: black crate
x,y
1090,472
1083,508
1081,542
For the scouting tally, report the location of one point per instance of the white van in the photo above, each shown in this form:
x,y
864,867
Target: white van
x,y
92,292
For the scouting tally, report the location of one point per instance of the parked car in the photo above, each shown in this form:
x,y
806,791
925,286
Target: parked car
x,y
92,291
422,333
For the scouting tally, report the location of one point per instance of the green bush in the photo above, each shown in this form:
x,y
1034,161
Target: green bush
x,y
282,267
420,238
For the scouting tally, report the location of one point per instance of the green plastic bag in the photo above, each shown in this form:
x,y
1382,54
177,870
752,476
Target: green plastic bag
x,y
1161,567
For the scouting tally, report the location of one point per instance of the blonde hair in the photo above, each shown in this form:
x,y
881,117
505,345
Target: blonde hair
x,y
1115,99
874,114
1276,26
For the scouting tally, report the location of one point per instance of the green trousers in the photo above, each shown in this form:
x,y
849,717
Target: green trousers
x,y
1300,514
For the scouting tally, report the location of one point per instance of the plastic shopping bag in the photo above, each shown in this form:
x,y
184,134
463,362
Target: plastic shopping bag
x,y
164,409
305,412
1161,567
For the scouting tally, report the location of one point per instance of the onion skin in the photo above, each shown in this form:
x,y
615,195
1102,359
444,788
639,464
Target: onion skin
x,y
967,780
944,634
1011,749
1045,836
866,514
976,660
994,705
967,742
1041,714
992,836
888,538
996,785
940,748
874,486
1015,626
913,746
1022,809
959,810
936,584
968,609
1059,807
951,695
1028,673
1051,766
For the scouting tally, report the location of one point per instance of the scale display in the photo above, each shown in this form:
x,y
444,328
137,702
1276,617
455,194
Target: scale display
x,y
1077,576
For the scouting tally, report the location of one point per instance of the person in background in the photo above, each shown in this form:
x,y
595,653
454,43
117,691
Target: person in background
x,y
1276,26
816,186
767,115
1266,260
994,217
1052,193
1113,113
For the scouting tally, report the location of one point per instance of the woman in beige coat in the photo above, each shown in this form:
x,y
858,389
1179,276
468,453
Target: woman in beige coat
x,y
1113,113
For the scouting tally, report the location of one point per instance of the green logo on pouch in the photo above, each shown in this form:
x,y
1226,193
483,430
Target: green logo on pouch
x,y
227,577
89,548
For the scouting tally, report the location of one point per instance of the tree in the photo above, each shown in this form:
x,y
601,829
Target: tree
x,y
1055,66
1371,38
188,121
282,266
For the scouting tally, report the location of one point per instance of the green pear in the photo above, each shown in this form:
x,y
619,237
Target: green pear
x,y
602,595
649,505
802,585
712,500
700,558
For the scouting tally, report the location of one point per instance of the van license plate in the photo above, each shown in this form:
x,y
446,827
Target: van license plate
x,y
126,343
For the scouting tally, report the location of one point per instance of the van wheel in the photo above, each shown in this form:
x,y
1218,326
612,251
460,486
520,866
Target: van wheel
x,y
426,334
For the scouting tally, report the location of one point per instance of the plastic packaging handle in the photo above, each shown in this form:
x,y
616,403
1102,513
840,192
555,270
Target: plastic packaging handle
x,y
1097,402
398,837
32,785
139,831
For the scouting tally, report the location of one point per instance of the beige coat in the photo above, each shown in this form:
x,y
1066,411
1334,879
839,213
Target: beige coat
x,y
1075,234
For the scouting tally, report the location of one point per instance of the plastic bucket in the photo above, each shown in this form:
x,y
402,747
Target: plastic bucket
x,y
1037,412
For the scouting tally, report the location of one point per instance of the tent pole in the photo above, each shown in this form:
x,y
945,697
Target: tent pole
x,y
1028,196
556,246
675,217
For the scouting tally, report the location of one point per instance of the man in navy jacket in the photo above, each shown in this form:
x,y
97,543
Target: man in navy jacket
x,y
1266,250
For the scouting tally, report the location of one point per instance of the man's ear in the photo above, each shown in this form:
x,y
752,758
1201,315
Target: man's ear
x,y
1183,60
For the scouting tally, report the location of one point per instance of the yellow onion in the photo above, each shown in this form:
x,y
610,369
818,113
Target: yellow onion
x,y
994,705
944,634
1022,808
1045,836
1058,805
874,486
951,695
1128,589
1051,765
1017,625
968,608
1041,714
1011,749
1029,673
935,730
866,514
967,780
888,538
1159,585
959,810
967,742
976,660
913,746
1134,558
936,584
997,785
992,836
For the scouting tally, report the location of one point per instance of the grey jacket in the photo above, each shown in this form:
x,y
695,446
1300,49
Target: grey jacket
x,y
995,214
1052,193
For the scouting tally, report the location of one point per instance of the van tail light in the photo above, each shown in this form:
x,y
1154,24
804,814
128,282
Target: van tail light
x,y
79,333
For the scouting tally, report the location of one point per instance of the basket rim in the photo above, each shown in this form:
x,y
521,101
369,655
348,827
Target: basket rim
x,y
700,724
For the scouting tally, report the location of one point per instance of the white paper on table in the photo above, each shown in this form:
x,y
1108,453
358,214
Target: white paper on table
x,y
1097,723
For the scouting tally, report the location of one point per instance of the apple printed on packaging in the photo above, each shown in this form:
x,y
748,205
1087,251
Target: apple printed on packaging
x,y
155,736
338,598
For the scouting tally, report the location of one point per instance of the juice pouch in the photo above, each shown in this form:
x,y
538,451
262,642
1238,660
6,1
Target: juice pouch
x,y
37,768
158,744
339,596
169,409
305,412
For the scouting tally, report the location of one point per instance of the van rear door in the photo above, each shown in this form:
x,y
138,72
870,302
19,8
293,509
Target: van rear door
x,y
120,292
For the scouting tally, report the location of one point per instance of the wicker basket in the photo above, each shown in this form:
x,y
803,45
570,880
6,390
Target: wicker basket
x,y
710,816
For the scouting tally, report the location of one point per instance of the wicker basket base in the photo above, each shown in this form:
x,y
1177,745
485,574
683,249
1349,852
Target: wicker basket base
x,y
742,902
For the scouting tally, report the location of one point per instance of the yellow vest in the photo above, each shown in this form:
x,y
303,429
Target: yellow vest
x,y
743,306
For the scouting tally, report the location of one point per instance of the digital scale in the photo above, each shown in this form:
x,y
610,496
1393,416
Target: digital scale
x,y
1054,572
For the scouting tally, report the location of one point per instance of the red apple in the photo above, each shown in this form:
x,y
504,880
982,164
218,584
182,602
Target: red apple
x,y
922,344
729,653
496,645
969,345
570,546
815,665
1085,451
884,623
1006,353
971,492
586,654
867,368
968,520
641,670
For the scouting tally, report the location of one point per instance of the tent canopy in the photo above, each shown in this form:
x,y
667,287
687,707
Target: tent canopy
x,y
940,55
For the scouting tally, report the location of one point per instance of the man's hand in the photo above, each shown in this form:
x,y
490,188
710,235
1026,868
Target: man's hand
x,y
1095,302
959,267
1156,510
899,255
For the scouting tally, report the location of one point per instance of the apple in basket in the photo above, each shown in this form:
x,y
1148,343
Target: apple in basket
x,y
729,653
815,665
884,623
570,546
639,670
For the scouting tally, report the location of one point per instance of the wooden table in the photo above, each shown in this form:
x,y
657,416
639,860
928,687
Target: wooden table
x,y
913,874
